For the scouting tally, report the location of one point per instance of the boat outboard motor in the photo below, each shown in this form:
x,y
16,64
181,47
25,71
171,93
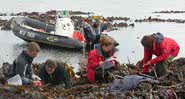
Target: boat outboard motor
x,y
64,25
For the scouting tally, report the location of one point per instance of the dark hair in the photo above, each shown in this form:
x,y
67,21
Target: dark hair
x,y
51,63
33,46
147,41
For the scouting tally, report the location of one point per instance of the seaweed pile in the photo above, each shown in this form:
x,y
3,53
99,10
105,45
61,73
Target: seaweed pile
x,y
150,19
115,22
77,17
169,12
5,24
170,86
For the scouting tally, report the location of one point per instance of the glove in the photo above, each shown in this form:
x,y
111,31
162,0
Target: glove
x,y
37,83
35,77
147,64
112,58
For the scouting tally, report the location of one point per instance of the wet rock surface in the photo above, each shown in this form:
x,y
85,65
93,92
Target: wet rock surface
x,y
168,12
150,19
78,17
5,24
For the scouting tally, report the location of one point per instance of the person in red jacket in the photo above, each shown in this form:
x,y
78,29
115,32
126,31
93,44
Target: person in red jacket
x,y
165,50
97,59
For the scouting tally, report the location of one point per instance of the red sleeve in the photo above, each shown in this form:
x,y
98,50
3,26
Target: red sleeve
x,y
165,54
93,60
147,56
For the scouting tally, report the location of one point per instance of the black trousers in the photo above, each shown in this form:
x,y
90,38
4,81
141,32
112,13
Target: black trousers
x,y
102,76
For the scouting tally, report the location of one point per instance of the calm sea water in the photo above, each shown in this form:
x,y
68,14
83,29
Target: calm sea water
x,y
105,7
129,38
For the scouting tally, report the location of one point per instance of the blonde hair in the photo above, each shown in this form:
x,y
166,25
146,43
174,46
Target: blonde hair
x,y
106,41
33,46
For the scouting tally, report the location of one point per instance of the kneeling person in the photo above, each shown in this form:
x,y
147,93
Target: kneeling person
x,y
100,60
54,73
22,65
164,48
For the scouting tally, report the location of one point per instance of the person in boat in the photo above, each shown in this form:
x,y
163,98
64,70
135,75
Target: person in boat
x,y
22,65
165,50
101,26
99,60
96,27
105,27
54,73
89,35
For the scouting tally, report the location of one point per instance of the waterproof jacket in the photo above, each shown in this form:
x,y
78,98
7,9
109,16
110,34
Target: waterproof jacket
x,y
22,66
88,33
163,48
129,82
95,56
58,77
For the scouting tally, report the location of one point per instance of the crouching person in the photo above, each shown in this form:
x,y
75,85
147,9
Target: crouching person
x,y
165,50
98,60
54,73
22,64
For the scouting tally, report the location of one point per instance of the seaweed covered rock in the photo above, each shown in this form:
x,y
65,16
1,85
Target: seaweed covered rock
x,y
171,86
5,24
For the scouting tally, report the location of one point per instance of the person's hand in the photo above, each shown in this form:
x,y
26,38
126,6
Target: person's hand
x,y
139,63
113,62
35,77
148,63
37,83
101,63
112,58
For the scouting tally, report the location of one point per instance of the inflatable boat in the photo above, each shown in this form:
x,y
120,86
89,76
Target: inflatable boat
x,y
60,34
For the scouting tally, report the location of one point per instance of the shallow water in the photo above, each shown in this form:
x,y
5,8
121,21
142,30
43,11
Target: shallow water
x,y
129,38
105,7
12,46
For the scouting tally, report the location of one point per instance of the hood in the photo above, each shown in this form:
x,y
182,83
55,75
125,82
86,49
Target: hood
x,y
158,37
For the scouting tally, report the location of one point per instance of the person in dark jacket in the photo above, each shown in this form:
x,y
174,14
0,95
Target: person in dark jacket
x,y
54,73
97,59
22,64
164,48
89,35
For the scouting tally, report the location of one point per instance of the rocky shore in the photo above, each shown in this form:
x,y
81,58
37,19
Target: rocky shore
x,y
150,19
5,24
78,16
171,86
169,12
